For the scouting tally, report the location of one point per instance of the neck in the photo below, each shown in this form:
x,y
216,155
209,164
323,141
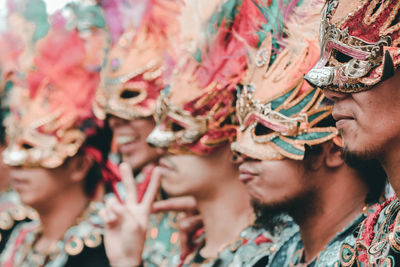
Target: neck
x,y
58,215
391,163
225,216
329,212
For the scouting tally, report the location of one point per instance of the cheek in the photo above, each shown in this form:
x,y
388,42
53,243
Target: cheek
x,y
39,190
188,179
377,120
277,184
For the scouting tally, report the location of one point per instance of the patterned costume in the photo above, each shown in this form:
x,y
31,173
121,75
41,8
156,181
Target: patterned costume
x,y
195,113
292,251
360,49
54,80
133,75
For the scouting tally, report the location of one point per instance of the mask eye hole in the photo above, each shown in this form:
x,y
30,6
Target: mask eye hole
x,y
341,57
27,146
261,130
176,127
127,94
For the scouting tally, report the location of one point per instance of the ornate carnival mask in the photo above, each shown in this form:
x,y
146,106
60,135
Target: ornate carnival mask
x,y
196,112
359,45
134,73
50,108
278,110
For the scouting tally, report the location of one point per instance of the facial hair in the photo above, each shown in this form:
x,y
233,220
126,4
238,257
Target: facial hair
x,y
364,154
270,215
370,171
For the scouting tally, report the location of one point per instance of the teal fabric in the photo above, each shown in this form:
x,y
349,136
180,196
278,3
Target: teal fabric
x,y
279,101
288,254
311,136
286,146
36,12
299,106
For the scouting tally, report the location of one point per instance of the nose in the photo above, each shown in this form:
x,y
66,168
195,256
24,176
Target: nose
x,y
334,96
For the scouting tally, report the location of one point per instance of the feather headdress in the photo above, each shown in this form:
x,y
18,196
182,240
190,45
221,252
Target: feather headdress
x,y
278,110
134,72
51,114
196,111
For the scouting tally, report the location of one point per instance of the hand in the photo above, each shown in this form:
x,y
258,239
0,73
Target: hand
x,y
189,221
126,223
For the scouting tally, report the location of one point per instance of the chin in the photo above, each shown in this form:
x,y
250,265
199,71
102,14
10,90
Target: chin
x,y
172,190
354,150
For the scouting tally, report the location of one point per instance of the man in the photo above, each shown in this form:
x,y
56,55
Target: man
x,y
292,157
132,79
357,70
195,122
12,212
56,148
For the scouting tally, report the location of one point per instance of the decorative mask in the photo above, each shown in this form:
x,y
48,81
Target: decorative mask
x,y
134,72
278,111
50,109
359,45
196,112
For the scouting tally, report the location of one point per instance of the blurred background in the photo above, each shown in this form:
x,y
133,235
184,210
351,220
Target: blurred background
x,y
52,6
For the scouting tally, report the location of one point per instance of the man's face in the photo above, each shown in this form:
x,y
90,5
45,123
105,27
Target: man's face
x,y
274,183
194,174
38,186
131,139
369,121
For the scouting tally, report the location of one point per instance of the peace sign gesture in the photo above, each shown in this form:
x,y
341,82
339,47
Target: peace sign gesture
x,y
126,223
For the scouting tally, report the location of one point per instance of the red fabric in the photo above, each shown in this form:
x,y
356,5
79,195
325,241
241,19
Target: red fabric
x,y
109,170
142,187
262,239
20,240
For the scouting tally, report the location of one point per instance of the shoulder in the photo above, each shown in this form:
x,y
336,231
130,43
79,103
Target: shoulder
x,y
88,233
254,247
12,214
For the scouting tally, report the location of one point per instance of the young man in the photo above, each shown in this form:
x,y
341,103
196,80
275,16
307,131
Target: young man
x,y
292,161
12,211
195,122
357,70
132,78
56,148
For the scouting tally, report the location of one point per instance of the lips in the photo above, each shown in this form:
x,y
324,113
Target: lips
x,y
341,119
18,183
339,116
126,139
246,173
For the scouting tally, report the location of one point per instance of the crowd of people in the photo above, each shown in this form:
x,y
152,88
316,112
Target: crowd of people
x,y
213,133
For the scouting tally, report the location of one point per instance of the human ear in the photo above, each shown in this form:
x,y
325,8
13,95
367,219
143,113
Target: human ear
x,y
333,155
79,166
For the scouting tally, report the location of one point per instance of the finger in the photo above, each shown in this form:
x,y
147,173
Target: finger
x,y
129,183
152,189
187,204
108,217
114,206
